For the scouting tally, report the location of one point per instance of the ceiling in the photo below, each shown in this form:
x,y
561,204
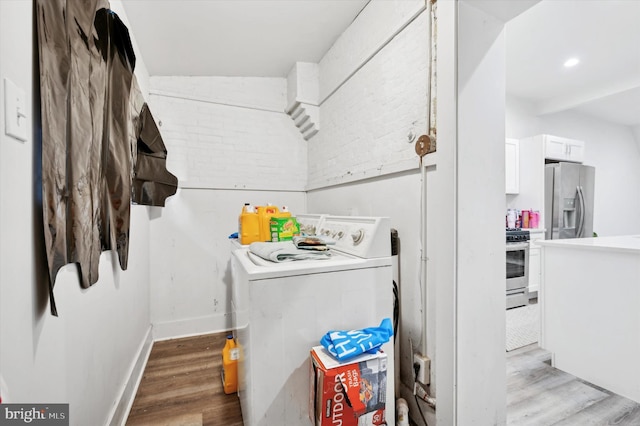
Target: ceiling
x,y
258,38
604,35
266,37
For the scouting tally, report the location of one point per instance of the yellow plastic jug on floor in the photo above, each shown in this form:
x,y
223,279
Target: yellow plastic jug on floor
x,y
230,355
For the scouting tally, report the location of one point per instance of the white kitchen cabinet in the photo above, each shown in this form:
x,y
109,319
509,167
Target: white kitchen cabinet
x,y
563,149
512,166
535,264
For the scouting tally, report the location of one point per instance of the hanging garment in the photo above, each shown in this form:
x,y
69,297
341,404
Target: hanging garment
x,y
90,134
152,183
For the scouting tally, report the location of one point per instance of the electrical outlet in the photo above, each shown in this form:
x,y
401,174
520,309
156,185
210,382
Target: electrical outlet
x,y
424,368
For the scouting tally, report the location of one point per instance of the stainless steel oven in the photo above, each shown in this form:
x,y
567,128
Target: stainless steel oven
x,y
517,268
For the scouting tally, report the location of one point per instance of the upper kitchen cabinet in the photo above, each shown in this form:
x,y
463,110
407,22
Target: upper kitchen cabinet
x,y
512,166
563,149
534,151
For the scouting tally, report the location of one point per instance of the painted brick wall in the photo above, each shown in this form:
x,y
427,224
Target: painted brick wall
x,y
229,132
366,122
372,28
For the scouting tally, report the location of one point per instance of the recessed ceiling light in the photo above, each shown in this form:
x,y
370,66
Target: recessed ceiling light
x,y
571,62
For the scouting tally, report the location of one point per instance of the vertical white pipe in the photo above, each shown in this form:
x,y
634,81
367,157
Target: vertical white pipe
x,y
432,80
423,256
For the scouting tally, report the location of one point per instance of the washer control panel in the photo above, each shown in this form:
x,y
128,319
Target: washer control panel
x,y
309,223
366,237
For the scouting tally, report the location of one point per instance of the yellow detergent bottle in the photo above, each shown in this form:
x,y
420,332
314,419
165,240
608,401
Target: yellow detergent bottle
x,y
248,225
265,213
230,355
285,212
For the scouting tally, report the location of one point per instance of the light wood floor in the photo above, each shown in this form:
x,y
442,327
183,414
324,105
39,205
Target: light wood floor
x,y
182,386
540,395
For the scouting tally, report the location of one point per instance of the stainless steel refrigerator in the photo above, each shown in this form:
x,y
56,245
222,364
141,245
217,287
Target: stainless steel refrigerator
x,y
568,202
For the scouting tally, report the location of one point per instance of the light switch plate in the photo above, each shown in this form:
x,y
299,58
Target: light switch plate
x,y
15,111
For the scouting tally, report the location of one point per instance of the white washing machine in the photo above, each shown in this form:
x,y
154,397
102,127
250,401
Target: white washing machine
x,y
281,310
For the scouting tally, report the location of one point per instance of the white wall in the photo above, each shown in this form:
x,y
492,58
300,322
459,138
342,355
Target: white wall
x,y
480,319
84,356
611,148
191,251
364,123
373,28
229,143
441,250
229,132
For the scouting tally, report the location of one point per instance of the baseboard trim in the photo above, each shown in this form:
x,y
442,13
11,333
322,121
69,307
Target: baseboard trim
x,y
191,327
121,410
158,332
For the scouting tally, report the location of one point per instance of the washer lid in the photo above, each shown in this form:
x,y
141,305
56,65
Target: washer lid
x,y
258,268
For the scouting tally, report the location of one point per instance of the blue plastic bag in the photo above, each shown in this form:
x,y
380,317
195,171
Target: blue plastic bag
x,y
346,344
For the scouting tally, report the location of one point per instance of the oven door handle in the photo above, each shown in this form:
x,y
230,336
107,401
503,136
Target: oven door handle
x,y
517,246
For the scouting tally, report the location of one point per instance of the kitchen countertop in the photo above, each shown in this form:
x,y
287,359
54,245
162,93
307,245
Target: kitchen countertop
x,y
623,243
